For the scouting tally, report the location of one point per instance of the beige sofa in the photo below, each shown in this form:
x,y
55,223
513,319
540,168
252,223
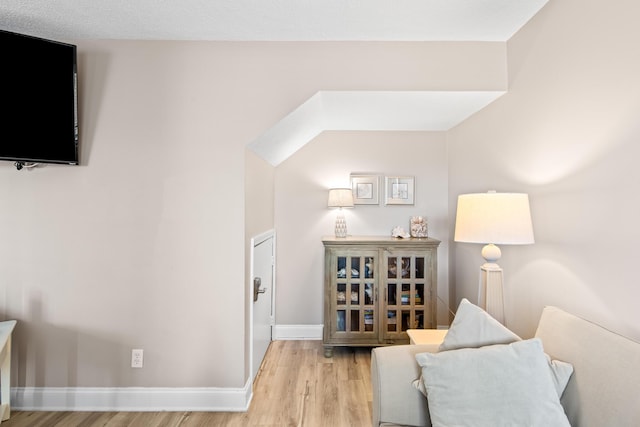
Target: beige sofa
x,y
603,391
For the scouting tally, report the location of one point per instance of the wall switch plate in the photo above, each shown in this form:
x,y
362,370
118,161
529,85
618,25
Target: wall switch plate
x,y
136,358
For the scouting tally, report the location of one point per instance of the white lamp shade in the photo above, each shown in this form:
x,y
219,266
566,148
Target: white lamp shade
x,y
340,198
501,218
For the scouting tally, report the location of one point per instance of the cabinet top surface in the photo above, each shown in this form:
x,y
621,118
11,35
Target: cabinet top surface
x,y
380,240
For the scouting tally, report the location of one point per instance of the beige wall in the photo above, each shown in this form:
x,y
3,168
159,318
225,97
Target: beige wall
x,y
259,195
566,133
302,216
135,248
143,245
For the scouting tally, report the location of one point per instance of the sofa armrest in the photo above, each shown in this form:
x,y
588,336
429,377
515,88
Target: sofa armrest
x,y
395,399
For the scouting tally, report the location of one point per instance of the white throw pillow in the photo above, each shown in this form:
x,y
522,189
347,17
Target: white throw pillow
x,y
492,386
472,327
560,374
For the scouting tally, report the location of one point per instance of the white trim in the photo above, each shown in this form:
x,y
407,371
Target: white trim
x,y
126,399
259,238
297,332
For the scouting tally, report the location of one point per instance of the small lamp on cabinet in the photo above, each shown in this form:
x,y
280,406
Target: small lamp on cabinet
x,y
340,198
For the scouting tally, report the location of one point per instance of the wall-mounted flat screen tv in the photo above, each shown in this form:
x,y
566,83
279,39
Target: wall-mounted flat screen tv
x,y
38,100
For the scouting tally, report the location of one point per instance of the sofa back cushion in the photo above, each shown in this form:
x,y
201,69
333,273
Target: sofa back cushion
x,y
605,387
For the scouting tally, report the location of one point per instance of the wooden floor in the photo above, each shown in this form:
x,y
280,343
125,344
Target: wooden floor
x,y
297,386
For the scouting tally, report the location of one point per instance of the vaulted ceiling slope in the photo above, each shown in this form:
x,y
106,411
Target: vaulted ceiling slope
x,y
271,20
382,110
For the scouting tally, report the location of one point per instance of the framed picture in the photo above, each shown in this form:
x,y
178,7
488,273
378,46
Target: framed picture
x,y
365,189
399,190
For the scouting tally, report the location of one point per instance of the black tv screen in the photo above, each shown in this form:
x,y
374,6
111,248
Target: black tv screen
x,y
38,100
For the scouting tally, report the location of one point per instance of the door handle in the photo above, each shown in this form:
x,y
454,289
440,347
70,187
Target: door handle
x,y
256,288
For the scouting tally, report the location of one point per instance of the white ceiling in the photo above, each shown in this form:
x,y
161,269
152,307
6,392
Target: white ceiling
x,y
298,20
274,20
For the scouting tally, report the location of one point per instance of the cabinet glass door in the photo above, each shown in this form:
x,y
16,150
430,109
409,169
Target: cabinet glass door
x,y
355,313
407,293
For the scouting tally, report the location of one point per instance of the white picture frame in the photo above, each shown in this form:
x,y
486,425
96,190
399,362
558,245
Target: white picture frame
x,y
366,189
399,190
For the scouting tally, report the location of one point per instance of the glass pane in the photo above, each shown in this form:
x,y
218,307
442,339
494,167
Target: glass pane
x,y
368,293
368,267
342,267
392,268
419,294
355,293
355,267
341,294
391,321
419,322
340,324
419,267
405,296
406,320
406,267
391,294
355,320
368,320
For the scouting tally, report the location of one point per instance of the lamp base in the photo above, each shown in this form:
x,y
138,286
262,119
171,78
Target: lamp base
x,y
491,253
490,291
341,226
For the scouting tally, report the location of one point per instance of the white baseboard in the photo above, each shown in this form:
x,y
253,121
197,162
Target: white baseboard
x,y
124,399
297,332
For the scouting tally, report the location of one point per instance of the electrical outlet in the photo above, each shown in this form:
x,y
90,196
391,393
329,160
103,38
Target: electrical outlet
x,y
136,358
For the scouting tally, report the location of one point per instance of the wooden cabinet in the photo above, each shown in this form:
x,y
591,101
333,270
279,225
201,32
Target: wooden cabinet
x,y
376,288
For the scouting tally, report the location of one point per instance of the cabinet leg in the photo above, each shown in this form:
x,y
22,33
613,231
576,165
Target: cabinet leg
x,y
328,352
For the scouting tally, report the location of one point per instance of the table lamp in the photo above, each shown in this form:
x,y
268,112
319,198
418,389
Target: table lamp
x,y
340,198
493,218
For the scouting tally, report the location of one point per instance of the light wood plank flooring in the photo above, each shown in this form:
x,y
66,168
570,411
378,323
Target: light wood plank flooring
x,y
296,386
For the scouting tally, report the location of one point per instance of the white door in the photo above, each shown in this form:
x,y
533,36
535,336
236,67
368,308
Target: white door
x,y
262,295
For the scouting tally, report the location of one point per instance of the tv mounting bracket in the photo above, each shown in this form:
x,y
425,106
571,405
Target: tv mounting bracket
x,y
28,165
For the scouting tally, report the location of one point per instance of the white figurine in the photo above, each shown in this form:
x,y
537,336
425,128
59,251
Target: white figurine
x,y
399,232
